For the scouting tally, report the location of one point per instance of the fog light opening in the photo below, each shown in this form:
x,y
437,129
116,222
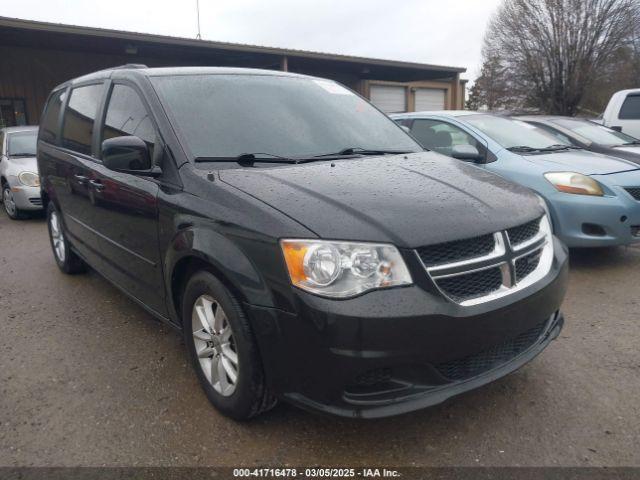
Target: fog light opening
x,y
623,218
593,230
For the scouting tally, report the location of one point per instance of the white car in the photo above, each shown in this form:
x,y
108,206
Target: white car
x,y
623,112
19,177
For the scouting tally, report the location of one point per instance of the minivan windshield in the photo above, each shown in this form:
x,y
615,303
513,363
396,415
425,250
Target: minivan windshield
x,y
222,116
513,134
22,144
596,133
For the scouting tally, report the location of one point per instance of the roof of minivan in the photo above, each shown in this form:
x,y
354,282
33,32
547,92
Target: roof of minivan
x,y
163,71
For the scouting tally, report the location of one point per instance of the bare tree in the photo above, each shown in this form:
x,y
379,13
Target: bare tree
x,y
554,50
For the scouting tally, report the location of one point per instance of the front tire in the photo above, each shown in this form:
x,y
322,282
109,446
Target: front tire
x,y
13,212
65,258
222,349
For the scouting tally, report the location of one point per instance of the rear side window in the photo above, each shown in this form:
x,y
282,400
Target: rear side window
x,y
127,115
630,108
79,118
49,124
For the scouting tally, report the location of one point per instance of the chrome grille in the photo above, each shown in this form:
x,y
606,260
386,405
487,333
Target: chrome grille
x,y
519,257
527,264
634,192
457,250
463,287
522,233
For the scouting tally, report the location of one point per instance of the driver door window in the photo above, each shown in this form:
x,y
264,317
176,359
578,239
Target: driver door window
x,y
441,137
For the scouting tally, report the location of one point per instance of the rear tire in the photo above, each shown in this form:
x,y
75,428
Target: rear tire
x,y
65,257
13,212
222,349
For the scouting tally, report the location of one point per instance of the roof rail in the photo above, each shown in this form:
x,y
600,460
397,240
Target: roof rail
x,y
128,66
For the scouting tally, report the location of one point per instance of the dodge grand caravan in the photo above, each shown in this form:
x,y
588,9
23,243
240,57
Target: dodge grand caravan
x,y
305,245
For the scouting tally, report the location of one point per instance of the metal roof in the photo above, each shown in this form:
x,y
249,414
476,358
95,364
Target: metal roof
x,y
38,26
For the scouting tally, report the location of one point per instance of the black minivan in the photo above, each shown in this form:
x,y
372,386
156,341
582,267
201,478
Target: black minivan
x,y
305,245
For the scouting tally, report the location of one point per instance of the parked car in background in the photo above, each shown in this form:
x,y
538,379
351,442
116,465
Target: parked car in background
x,y
623,112
307,247
19,178
594,200
588,135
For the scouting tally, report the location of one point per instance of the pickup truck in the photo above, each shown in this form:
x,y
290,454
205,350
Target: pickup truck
x,y
623,112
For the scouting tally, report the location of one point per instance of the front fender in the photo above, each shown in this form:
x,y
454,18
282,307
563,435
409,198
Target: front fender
x,y
227,259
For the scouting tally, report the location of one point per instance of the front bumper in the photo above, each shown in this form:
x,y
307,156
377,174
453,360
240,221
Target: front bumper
x,y
27,198
588,221
393,351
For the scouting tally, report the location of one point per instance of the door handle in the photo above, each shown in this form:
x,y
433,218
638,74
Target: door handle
x,y
96,184
81,179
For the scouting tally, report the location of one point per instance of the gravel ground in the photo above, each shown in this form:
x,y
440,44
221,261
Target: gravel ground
x,y
89,378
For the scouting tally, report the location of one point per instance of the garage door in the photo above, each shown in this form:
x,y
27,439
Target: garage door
x,y
429,99
388,98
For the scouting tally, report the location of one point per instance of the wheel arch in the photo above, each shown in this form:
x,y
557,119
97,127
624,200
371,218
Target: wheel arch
x,y
192,251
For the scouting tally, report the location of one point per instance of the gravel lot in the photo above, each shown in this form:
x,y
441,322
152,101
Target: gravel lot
x,y
89,378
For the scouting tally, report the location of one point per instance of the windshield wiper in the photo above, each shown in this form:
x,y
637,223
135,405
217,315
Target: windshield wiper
x,y
558,147
635,142
350,151
22,154
249,158
522,148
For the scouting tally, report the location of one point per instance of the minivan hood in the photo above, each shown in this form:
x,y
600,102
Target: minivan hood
x,y
585,162
409,200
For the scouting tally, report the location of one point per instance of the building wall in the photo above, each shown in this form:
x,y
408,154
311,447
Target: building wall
x,y
30,74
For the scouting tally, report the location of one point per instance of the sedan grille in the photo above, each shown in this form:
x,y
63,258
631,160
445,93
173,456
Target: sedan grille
x,y
36,201
634,192
457,250
474,365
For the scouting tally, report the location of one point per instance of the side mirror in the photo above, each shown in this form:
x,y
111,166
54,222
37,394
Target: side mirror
x,y
617,128
468,153
128,154
405,128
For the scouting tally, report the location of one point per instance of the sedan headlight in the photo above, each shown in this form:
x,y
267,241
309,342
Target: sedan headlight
x,y
29,179
343,269
576,183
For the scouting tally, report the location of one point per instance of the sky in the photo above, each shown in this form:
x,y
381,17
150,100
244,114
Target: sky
x,y
426,31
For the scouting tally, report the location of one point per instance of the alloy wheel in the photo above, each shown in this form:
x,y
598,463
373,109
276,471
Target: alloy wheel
x,y
215,345
57,237
9,203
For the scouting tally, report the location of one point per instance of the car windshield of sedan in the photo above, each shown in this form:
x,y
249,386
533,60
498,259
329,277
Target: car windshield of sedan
x,y
22,144
223,116
595,133
513,134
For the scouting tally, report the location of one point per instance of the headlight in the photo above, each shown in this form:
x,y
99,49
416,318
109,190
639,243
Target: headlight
x,y
343,269
29,179
572,182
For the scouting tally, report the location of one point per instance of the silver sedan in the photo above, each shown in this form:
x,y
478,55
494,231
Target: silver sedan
x,y
19,177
